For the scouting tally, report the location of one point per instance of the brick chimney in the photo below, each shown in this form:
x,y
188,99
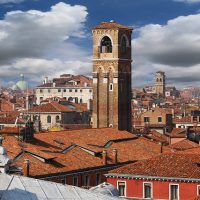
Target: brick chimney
x,y
104,157
114,153
27,168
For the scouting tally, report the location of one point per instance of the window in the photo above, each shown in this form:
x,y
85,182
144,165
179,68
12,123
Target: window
x,y
90,91
41,91
57,118
111,87
160,119
174,192
121,186
106,45
59,90
76,99
70,90
147,190
49,91
146,119
86,180
198,190
75,181
98,179
64,90
49,119
63,181
81,101
81,90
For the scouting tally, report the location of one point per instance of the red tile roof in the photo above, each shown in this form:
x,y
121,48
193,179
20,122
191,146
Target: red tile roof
x,y
183,145
167,165
50,107
79,149
111,25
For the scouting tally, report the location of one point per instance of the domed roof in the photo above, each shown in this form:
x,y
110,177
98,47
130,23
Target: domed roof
x,y
20,85
106,188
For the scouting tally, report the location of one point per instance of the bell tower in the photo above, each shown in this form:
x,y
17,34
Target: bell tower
x,y
160,83
112,76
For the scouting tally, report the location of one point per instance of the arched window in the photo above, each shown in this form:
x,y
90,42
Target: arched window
x,y
49,119
57,118
106,45
157,80
123,45
70,99
160,79
76,99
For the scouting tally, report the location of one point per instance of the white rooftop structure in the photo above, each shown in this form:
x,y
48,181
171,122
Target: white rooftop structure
x,y
105,188
24,188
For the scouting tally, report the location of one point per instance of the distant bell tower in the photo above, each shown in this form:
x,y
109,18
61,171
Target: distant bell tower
x,y
160,83
112,76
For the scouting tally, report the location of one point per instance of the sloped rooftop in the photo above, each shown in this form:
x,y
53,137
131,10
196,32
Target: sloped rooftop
x,y
21,188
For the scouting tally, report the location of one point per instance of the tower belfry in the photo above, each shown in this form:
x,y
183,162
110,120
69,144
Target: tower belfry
x,y
112,76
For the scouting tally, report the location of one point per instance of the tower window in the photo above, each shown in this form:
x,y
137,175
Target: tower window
x,y
111,87
106,45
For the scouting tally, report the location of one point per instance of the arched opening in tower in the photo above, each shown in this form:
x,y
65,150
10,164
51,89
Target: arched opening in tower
x,y
106,45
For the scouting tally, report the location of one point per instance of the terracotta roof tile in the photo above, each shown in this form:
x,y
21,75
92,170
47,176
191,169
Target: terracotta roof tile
x,y
50,107
183,145
167,165
111,25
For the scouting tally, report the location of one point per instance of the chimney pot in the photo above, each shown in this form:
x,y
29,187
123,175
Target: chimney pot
x,y
27,168
104,156
114,155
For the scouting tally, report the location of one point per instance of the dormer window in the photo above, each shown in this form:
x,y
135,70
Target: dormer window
x,y
106,45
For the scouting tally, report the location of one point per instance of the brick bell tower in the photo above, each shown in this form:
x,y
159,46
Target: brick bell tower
x,y
112,76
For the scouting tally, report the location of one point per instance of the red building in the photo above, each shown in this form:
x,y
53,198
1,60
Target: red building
x,y
174,176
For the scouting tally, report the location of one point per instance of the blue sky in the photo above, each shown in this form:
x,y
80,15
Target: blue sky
x,y
49,37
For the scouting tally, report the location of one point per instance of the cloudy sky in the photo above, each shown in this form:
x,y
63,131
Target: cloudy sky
x,y
48,37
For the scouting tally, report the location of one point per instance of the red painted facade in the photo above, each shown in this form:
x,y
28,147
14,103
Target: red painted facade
x,y
160,189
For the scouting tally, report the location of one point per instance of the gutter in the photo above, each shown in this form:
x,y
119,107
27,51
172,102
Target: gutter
x,y
156,178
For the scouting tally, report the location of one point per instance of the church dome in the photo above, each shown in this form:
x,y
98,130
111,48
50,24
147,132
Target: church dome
x,y
20,85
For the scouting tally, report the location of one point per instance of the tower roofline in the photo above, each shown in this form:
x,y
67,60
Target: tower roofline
x,y
111,25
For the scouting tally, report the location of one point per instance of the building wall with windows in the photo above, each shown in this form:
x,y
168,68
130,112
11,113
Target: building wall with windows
x,y
75,94
158,189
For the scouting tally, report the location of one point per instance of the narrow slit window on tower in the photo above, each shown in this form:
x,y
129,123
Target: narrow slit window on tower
x,y
111,87
106,45
123,45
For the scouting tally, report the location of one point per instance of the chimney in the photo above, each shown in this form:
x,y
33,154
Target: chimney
x,y
161,147
114,152
46,80
104,157
27,168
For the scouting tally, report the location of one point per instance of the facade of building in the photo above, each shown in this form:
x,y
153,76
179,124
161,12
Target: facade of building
x,y
158,119
160,83
112,76
77,89
172,176
54,114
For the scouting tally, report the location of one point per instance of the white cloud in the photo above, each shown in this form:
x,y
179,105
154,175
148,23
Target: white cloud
x,y
173,47
39,43
188,1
